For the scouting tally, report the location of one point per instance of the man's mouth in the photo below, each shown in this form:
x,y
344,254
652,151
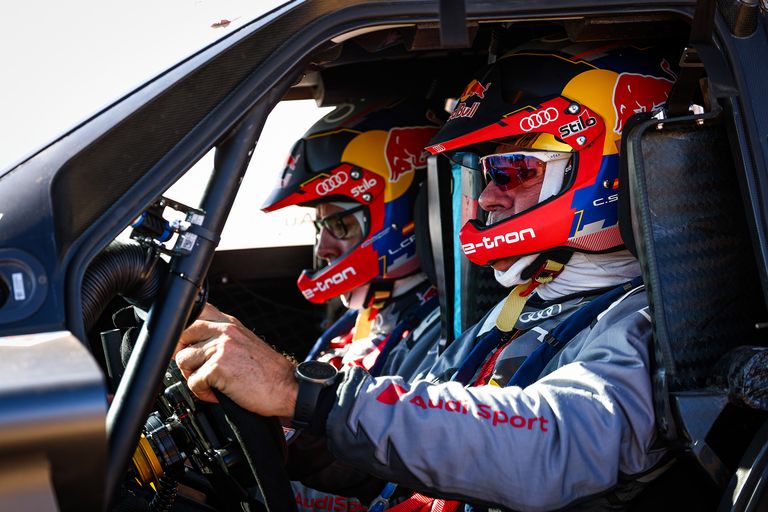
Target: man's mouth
x,y
497,216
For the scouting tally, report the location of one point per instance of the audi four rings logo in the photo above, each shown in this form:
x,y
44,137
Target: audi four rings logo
x,y
539,119
331,183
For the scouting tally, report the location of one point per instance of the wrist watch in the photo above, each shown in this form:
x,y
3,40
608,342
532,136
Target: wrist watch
x,y
312,376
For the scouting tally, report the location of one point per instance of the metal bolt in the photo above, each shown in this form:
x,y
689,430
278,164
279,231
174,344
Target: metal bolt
x,y
573,108
355,174
660,126
366,197
580,140
699,122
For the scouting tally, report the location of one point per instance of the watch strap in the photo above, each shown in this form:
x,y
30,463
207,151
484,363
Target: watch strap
x,y
306,402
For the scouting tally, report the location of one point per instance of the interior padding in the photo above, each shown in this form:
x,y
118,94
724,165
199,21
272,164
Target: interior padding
x,y
694,246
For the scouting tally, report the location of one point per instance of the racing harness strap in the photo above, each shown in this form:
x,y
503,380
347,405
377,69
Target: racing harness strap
x,y
525,375
410,321
505,322
534,364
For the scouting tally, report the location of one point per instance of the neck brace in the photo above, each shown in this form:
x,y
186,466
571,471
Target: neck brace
x,y
583,272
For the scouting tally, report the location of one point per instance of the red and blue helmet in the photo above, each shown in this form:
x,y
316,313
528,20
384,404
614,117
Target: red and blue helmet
x,y
564,97
372,154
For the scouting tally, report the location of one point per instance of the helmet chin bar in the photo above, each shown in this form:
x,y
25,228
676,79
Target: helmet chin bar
x,y
557,222
352,271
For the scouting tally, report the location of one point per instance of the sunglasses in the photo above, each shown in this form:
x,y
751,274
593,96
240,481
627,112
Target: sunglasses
x,y
335,223
511,170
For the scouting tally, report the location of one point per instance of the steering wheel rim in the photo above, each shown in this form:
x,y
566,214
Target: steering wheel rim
x,y
263,445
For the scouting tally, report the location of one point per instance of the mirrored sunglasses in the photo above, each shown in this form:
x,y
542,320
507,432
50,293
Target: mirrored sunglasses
x,y
511,170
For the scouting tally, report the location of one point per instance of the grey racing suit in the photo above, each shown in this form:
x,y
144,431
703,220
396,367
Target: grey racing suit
x,y
416,349
584,427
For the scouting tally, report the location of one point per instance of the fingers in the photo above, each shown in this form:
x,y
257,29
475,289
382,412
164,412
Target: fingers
x,y
202,381
190,358
212,314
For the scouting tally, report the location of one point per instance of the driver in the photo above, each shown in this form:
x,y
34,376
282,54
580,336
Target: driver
x,y
549,399
361,167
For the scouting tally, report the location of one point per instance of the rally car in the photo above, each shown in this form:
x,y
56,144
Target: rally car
x,y
92,417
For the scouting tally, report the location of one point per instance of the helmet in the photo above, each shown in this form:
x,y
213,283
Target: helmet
x,y
559,106
368,154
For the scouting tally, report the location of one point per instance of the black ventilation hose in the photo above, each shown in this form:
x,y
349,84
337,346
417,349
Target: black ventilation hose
x,y
132,271
123,268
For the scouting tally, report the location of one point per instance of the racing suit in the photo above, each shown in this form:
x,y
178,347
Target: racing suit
x,y
403,337
584,429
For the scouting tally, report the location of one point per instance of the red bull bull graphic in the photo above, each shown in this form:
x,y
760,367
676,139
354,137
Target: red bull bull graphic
x,y
634,93
404,150
474,88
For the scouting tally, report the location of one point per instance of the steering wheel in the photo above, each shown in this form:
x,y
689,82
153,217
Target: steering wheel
x,y
263,445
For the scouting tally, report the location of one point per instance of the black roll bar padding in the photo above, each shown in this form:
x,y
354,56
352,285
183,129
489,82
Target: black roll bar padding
x,y
453,24
169,313
441,236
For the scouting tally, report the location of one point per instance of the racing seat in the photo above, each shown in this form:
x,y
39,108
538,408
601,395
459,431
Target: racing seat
x,y
682,214
446,200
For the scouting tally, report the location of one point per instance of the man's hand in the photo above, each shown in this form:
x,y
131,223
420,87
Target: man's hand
x,y
217,351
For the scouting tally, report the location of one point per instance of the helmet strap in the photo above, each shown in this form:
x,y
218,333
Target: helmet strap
x,y
515,301
562,256
379,293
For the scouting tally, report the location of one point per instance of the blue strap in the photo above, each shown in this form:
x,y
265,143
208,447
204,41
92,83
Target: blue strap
x,y
409,322
534,364
342,325
484,346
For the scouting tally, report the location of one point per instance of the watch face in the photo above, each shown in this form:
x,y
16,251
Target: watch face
x,y
315,370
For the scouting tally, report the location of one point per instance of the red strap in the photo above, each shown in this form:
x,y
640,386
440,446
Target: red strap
x,y
414,503
487,370
341,341
420,503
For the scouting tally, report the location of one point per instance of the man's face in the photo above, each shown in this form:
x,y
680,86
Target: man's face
x,y
503,201
341,233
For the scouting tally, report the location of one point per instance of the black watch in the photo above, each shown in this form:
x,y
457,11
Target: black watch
x,y
313,376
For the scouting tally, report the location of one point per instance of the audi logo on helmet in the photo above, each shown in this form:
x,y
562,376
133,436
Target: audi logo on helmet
x,y
539,119
331,183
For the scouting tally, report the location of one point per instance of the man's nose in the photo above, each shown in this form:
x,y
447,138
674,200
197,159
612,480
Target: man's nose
x,y
327,246
493,198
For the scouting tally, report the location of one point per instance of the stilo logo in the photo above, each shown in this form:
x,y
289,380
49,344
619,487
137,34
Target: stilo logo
x,y
539,119
583,122
337,278
331,183
366,184
491,243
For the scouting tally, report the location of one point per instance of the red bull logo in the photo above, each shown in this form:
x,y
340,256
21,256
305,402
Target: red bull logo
x,y
404,150
474,88
292,161
634,93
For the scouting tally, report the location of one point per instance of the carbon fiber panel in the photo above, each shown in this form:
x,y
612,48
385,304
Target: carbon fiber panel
x,y
695,250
